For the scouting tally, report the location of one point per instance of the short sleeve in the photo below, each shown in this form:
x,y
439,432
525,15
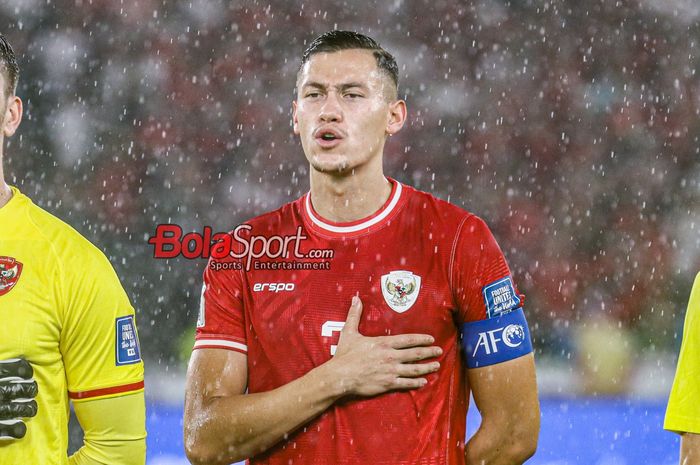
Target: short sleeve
x,y
221,320
99,341
683,412
481,280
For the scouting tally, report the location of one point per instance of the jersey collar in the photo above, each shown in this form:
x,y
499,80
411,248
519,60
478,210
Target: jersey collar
x,y
375,221
15,202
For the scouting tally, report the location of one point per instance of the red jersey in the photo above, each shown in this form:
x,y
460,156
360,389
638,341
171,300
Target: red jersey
x,y
420,265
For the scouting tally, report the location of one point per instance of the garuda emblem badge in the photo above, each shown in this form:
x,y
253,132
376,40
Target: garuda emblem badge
x,y
400,289
10,269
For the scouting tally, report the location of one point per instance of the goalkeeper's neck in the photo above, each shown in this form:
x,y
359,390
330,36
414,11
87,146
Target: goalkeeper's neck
x,y
5,191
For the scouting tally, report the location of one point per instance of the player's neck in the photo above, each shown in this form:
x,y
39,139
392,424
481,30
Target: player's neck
x,y
5,191
348,198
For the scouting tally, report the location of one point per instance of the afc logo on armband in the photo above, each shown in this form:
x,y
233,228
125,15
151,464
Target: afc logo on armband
x,y
511,336
496,340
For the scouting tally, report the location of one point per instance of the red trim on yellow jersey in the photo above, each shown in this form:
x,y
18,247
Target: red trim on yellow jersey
x,y
106,391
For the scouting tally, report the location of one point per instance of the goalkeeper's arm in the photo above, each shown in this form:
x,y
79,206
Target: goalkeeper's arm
x,y
115,431
690,448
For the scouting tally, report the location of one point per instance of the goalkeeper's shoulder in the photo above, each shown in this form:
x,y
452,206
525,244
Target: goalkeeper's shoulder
x,y
63,242
692,317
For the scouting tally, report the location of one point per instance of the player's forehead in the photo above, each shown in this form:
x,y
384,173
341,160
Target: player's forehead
x,y
335,68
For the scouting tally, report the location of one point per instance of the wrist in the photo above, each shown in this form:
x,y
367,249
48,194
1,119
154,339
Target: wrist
x,y
332,381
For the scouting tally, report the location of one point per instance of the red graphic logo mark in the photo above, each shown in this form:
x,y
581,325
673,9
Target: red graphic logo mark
x,y
10,269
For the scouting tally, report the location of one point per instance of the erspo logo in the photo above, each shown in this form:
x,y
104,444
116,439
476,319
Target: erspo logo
x,y
274,287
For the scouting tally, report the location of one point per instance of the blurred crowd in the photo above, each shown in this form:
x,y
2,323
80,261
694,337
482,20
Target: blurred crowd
x,y
571,127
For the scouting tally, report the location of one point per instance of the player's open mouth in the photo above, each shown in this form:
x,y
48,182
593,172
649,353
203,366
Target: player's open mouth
x,y
328,138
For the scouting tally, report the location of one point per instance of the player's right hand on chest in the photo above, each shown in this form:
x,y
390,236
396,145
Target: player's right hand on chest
x,y
17,392
369,366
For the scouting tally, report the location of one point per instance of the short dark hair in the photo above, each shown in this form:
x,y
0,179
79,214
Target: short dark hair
x,y
335,41
8,66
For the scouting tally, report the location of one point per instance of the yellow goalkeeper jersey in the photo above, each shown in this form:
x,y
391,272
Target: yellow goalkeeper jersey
x,y
683,412
62,308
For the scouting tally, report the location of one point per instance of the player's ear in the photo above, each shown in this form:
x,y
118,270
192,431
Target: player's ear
x,y
12,116
295,121
397,117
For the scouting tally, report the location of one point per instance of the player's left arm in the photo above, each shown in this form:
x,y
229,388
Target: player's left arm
x,y
497,348
690,448
506,396
114,432
102,359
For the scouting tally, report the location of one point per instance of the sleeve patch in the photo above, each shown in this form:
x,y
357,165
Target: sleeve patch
x,y
127,351
496,340
500,297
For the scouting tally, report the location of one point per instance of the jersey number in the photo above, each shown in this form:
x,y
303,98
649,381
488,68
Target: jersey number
x,y
328,328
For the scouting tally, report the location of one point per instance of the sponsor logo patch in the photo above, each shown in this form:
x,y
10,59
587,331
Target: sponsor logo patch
x,y
400,289
128,350
500,297
10,271
274,287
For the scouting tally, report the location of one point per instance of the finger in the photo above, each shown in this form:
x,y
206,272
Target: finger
x,y
409,383
15,367
18,409
18,389
12,429
413,370
416,354
352,322
401,341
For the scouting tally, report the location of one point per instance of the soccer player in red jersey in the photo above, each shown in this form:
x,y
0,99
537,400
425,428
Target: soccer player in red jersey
x,y
366,349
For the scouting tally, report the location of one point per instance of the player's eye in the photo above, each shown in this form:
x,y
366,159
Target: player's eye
x,y
353,96
312,94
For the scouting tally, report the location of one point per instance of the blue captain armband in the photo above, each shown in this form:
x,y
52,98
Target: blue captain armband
x,y
496,340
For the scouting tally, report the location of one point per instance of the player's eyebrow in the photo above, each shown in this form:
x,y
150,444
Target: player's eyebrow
x,y
342,86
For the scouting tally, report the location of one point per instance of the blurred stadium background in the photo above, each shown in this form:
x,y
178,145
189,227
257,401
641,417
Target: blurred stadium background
x,y
572,127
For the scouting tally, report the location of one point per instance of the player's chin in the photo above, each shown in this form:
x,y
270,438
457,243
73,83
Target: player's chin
x,y
330,163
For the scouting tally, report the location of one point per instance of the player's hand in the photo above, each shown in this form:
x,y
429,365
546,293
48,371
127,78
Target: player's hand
x,y
17,392
369,366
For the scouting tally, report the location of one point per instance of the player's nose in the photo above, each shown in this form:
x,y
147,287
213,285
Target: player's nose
x,y
331,110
